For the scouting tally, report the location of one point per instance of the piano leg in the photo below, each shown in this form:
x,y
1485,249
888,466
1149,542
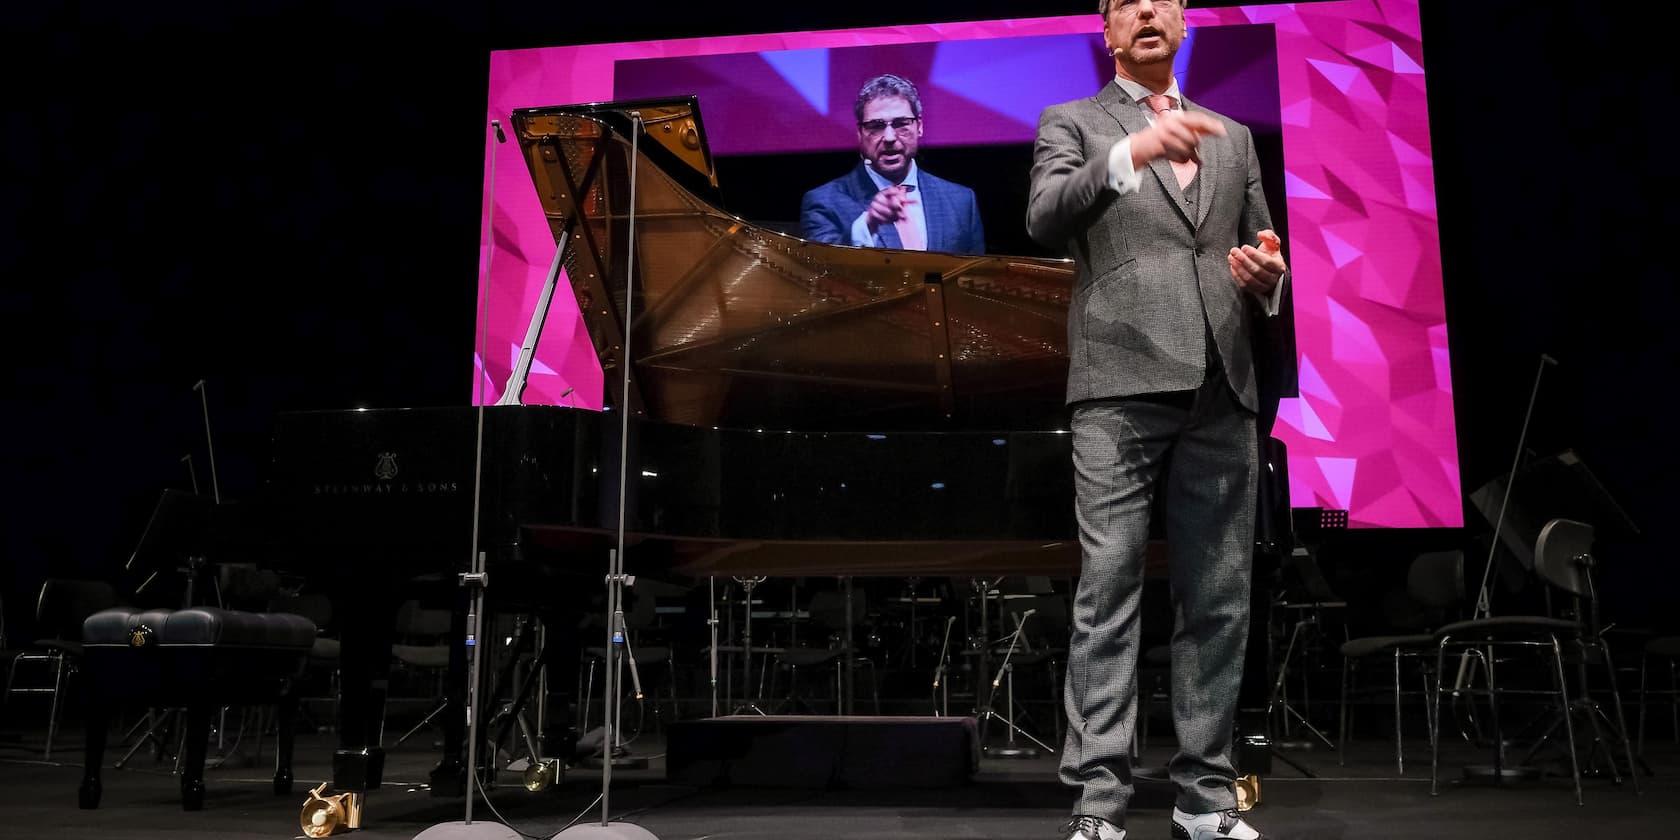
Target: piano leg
x,y
449,776
366,609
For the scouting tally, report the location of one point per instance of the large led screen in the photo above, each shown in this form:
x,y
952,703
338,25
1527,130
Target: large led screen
x,y
1335,95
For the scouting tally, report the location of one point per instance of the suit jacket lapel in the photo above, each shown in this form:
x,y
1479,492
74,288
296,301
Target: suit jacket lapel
x,y
1213,151
929,194
1131,119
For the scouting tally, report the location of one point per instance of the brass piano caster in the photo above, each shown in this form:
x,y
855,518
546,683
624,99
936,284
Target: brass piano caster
x,y
324,815
1248,792
541,775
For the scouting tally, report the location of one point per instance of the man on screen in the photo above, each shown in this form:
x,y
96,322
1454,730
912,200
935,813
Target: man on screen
x,y
886,201
1179,277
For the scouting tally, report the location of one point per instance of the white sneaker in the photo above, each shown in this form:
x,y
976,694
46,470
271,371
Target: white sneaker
x,y
1218,825
1083,827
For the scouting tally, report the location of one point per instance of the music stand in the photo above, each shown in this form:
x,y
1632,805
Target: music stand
x,y
1555,487
178,538
1559,486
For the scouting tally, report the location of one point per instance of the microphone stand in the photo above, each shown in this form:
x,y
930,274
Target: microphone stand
x,y
942,691
1010,750
478,579
196,565
712,627
606,829
210,444
748,584
614,751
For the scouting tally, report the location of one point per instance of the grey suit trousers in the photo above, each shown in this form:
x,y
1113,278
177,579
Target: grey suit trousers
x,y
1120,448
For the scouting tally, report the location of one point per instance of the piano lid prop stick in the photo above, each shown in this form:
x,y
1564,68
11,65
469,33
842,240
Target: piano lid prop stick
x,y
514,392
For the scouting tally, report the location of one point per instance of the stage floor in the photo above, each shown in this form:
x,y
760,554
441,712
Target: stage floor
x,y
1010,798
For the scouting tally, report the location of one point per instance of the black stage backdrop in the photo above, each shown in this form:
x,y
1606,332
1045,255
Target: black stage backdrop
x,y
281,198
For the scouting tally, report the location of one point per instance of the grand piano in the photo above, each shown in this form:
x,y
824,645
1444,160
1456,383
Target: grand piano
x,y
792,409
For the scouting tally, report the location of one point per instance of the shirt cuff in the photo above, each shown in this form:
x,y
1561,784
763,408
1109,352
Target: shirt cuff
x,y
1122,178
1275,299
861,236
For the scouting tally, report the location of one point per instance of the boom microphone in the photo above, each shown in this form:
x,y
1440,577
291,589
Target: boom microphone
x,y
500,137
944,646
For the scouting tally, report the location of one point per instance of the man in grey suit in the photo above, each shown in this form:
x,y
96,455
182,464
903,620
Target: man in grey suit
x,y
1159,202
887,201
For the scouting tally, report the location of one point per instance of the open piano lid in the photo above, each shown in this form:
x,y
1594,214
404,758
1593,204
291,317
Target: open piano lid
x,y
741,326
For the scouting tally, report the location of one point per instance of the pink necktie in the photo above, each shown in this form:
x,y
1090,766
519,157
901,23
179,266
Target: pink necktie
x,y
908,233
1161,103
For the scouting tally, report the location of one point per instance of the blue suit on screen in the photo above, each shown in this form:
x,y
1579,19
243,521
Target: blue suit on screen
x,y
952,215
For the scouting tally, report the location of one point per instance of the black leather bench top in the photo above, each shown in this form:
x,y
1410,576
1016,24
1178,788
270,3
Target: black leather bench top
x,y
199,627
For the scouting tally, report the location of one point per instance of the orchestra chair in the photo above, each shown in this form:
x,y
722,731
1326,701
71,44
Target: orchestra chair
x,y
1662,652
1563,561
60,609
827,611
198,660
1434,583
422,650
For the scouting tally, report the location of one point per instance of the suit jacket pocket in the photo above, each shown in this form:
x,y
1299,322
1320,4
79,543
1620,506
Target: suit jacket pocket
x,y
1109,305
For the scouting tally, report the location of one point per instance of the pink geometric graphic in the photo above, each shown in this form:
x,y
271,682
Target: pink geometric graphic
x,y
1373,429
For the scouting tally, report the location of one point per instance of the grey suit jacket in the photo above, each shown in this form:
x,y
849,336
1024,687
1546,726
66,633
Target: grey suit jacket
x,y
1151,270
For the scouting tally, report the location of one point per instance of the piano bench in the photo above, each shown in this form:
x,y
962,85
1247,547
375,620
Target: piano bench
x,y
197,660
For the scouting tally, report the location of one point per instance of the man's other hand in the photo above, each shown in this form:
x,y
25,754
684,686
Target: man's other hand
x,y
1257,270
